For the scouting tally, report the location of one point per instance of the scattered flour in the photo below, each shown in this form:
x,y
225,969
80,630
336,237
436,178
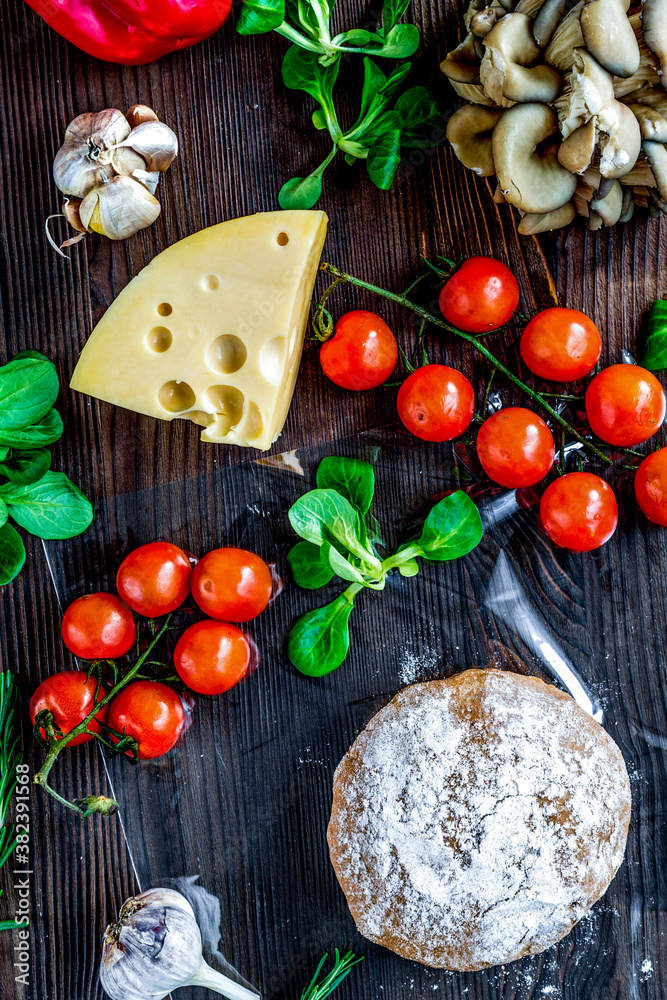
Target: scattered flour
x,y
417,666
645,970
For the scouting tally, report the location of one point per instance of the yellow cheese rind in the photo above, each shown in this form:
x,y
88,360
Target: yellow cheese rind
x,y
213,329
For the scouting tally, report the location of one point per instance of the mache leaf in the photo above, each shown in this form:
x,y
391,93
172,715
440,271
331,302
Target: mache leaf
x,y
260,16
51,508
421,119
320,640
452,529
308,568
24,467
384,158
301,192
46,431
655,348
28,389
351,477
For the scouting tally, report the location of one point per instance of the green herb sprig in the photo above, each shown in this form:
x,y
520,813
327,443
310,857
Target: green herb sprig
x,y
390,119
10,758
340,538
42,502
341,968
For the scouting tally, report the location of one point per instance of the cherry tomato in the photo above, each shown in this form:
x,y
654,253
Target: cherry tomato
x,y
515,447
625,405
579,511
436,403
71,697
480,296
362,353
211,657
651,486
154,579
152,713
99,627
561,345
232,585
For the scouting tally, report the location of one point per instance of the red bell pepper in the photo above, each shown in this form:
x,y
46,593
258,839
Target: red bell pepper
x,y
133,32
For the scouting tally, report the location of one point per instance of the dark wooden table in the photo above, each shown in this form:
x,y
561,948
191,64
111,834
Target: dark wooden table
x,y
255,829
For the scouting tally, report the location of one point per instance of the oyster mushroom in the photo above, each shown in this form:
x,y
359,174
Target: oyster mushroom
x,y
482,22
462,63
610,206
470,131
652,123
654,23
589,95
609,36
505,70
547,19
566,39
530,177
532,224
656,154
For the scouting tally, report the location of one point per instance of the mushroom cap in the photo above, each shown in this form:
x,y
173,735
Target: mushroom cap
x,y
652,123
609,207
462,63
656,154
577,151
566,38
654,23
469,131
505,71
530,178
609,36
547,19
532,224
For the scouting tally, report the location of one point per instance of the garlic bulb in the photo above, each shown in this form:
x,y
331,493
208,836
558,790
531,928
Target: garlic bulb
x,y
155,947
109,167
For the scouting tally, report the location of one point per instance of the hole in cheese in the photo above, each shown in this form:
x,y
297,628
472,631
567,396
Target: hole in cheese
x,y
227,354
252,424
283,239
176,396
159,339
227,401
272,360
210,282
164,309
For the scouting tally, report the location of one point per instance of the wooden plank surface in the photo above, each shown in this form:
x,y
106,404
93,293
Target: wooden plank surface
x,y
257,837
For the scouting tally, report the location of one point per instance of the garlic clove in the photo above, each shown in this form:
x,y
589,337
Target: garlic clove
x,y
84,159
126,160
139,113
119,209
156,142
71,212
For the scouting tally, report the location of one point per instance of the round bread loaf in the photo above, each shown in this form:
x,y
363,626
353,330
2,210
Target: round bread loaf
x,y
476,819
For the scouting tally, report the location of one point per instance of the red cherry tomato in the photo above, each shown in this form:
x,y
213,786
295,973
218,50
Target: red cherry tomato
x,y
625,405
362,353
480,296
71,697
515,447
211,657
99,627
579,511
152,713
436,403
561,345
154,579
232,585
651,486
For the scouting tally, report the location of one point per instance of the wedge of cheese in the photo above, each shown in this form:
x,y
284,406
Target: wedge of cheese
x,y
213,329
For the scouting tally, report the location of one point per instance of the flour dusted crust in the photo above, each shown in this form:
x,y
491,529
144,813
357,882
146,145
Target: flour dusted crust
x,y
476,819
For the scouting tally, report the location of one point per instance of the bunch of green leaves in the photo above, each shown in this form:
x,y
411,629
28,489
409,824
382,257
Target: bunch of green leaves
x,y
10,758
311,28
390,119
42,502
341,968
655,347
341,538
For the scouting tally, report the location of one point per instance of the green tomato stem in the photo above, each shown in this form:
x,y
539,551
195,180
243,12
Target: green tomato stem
x,y
58,745
471,339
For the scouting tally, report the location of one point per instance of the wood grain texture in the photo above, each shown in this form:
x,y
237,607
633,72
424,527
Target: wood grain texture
x,y
244,801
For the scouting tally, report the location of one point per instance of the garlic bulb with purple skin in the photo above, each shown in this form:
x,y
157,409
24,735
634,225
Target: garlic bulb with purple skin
x,y
155,947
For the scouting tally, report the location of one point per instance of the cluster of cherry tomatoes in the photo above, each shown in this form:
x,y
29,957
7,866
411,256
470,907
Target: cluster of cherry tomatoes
x,y
211,656
625,404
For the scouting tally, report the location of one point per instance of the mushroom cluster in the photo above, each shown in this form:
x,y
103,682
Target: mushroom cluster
x,y
568,107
